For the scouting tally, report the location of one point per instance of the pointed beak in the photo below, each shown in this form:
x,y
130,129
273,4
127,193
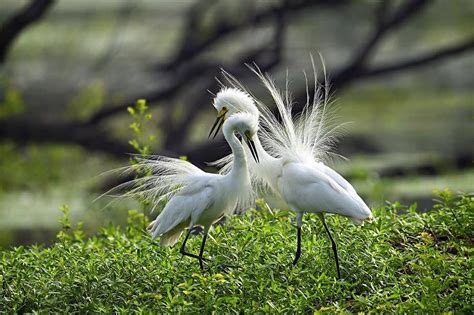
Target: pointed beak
x,y
218,123
253,150
216,126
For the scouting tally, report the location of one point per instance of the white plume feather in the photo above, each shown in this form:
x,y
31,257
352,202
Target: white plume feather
x,y
309,136
163,178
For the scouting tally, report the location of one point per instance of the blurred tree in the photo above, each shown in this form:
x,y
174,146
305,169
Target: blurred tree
x,y
189,69
13,27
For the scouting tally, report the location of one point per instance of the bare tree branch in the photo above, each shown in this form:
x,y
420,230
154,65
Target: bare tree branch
x,y
381,12
191,30
188,50
176,83
421,60
383,26
267,56
13,27
23,130
122,21
339,83
89,134
178,133
196,70
224,27
94,139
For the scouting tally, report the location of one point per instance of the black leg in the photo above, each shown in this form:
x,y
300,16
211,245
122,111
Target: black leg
x,y
298,246
334,248
202,249
299,222
183,250
185,253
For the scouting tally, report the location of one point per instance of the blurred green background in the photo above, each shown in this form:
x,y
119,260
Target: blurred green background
x,y
402,74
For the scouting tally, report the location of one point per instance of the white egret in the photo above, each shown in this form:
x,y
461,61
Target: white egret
x,y
229,101
293,167
197,198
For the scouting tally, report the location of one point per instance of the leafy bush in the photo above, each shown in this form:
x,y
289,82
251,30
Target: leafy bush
x,y
400,263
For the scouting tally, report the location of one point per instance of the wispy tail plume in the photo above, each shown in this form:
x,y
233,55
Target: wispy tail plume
x,y
159,178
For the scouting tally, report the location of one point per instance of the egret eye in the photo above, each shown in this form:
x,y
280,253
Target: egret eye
x,y
247,134
222,112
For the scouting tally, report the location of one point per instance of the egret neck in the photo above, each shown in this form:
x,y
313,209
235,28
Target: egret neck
x,y
239,166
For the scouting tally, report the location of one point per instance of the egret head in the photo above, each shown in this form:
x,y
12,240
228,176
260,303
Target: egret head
x,y
230,101
246,125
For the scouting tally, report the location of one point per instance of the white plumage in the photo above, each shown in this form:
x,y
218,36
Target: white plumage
x,y
196,198
291,171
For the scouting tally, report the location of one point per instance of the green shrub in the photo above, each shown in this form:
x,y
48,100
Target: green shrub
x,y
400,263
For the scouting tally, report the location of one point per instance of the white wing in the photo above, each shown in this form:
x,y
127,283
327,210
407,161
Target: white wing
x,y
336,177
160,178
308,189
183,208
